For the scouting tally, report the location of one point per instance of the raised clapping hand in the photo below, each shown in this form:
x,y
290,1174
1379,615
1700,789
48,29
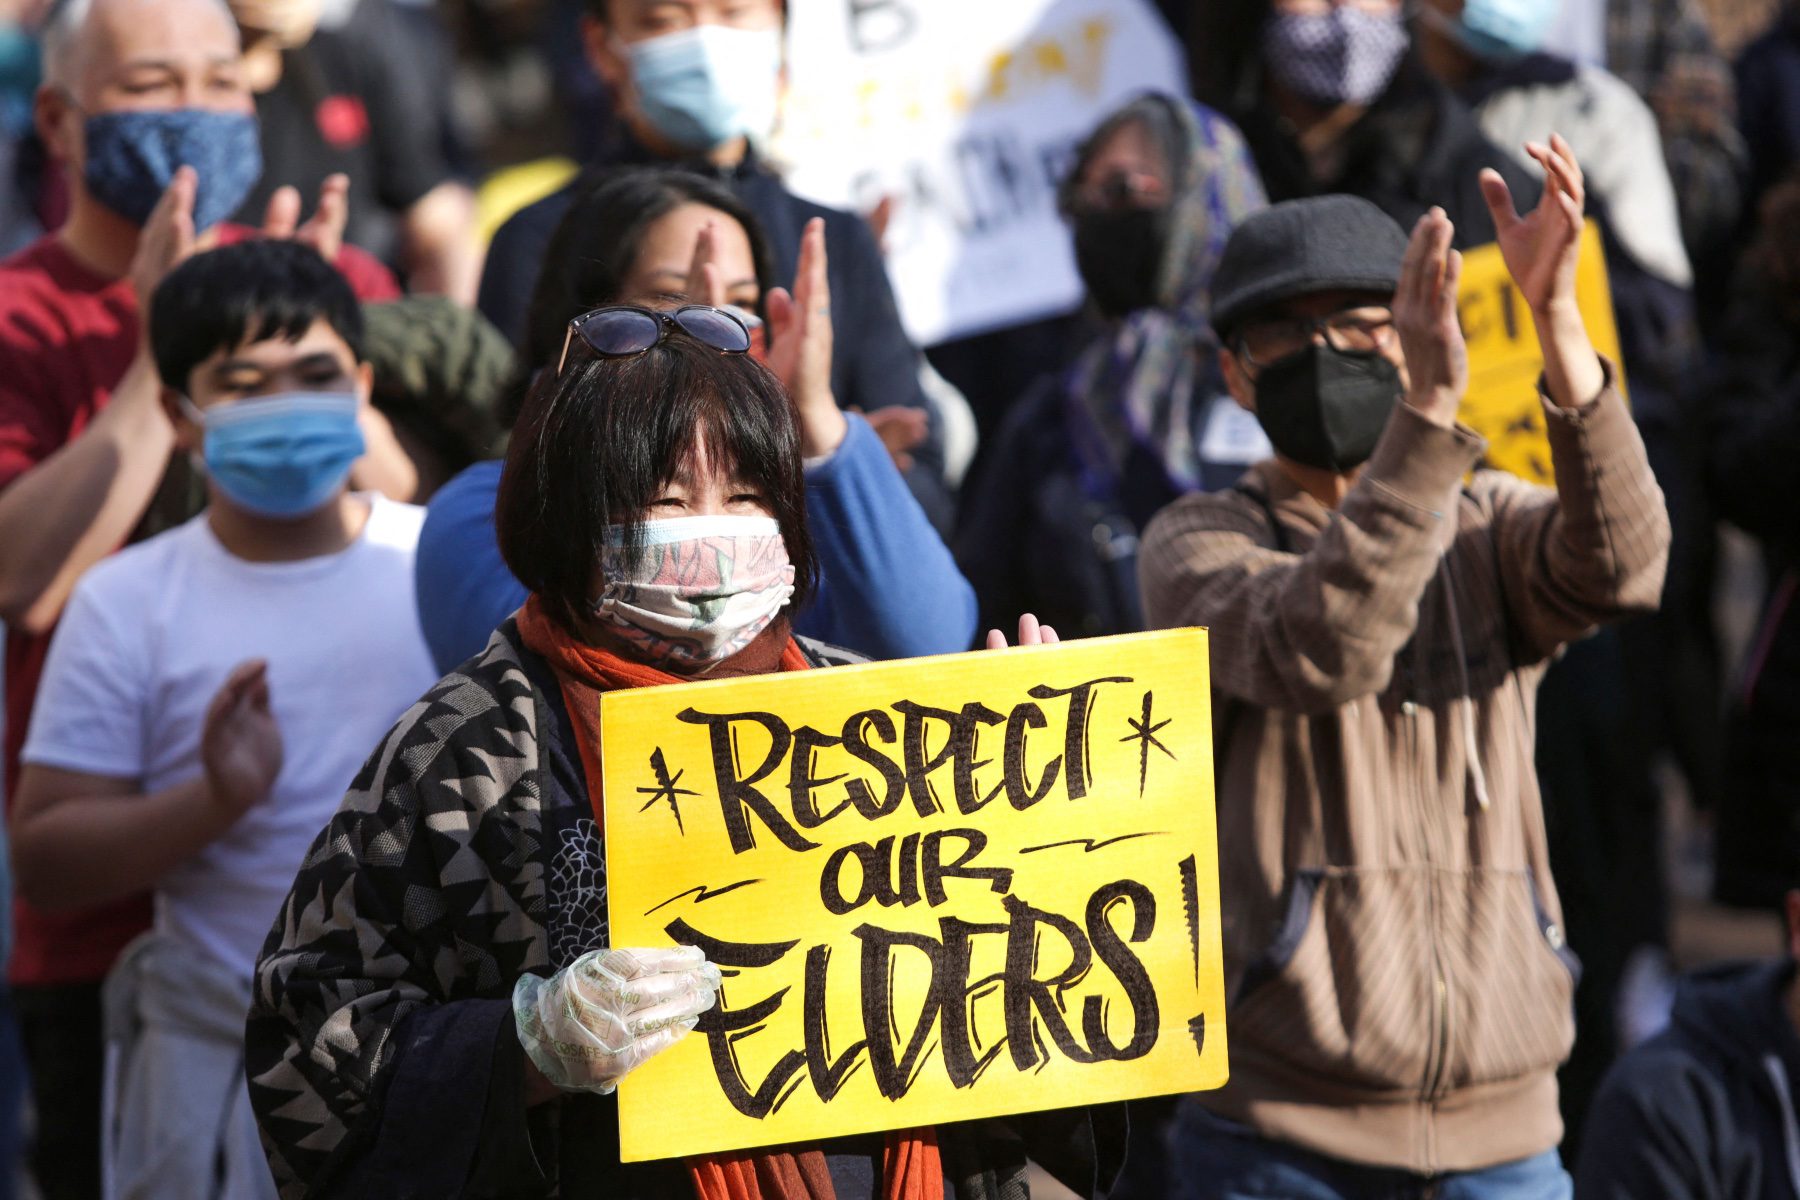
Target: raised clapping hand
x,y
800,345
608,1012
240,743
1031,633
1437,358
169,236
1541,250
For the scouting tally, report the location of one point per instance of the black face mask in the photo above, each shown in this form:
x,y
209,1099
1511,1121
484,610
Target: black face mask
x,y
1326,408
1120,257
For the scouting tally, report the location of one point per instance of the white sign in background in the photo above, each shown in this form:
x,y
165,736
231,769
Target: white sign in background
x,y
966,113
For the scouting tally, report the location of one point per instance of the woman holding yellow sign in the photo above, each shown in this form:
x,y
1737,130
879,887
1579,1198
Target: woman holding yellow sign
x,y
439,1011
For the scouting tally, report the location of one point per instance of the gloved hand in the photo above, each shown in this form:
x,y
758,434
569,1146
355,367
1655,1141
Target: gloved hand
x,y
607,1012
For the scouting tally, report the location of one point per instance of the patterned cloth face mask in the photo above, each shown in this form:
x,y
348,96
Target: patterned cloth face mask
x,y
704,589
1345,56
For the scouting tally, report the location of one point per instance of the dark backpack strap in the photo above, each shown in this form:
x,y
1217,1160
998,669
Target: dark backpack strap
x,y
1262,502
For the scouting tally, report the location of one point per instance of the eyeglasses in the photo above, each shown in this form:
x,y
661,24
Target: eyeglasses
x,y
623,330
1118,191
1352,330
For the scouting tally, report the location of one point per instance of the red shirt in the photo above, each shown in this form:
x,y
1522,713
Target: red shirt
x,y
67,336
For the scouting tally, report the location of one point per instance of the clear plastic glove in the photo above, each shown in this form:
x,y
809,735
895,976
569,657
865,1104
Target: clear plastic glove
x,y
605,1014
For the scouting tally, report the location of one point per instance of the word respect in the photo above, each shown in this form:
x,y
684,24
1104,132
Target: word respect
x,y
747,796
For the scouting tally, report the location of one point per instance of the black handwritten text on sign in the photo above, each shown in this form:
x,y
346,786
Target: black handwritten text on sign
x,y
938,890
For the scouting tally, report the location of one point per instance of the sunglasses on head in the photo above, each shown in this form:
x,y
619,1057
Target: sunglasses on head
x,y
622,330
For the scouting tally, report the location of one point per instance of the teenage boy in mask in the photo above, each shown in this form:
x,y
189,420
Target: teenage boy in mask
x,y
132,92
697,82
1399,997
212,691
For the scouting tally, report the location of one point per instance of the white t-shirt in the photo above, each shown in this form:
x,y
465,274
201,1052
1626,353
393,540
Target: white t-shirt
x,y
148,638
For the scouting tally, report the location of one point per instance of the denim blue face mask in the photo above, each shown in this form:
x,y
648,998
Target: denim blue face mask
x,y
1499,30
133,155
703,86
282,456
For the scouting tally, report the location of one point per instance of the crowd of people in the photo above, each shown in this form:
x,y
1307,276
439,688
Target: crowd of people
x,y
322,533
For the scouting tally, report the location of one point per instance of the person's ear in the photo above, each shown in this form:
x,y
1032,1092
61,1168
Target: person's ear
x,y
365,383
602,53
57,123
1237,380
188,435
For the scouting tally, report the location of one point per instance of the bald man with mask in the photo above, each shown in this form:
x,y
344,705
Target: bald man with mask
x,y
145,108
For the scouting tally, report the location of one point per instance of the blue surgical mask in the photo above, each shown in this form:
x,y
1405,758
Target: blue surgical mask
x,y
132,156
1497,30
285,455
703,86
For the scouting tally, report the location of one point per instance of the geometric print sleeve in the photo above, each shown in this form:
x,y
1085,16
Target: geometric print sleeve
x,y
415,910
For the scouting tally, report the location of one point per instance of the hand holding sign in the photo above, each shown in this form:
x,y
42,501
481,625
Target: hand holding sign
x,y
605,1014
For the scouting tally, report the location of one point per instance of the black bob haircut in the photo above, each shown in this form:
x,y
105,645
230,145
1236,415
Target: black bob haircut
x,y
594,445
245,293
598,241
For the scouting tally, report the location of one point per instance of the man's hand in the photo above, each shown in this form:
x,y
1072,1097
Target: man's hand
x,y
168,237
1540,249
324,231
1437,359
240,744
800,346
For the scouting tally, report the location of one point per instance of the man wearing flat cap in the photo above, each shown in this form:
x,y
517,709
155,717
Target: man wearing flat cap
x,y
1381,612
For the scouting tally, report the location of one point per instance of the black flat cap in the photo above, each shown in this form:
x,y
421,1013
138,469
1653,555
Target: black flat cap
x,y
1319,244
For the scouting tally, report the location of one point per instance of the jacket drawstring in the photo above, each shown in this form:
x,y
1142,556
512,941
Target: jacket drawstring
x,y
1471,745
1790,1132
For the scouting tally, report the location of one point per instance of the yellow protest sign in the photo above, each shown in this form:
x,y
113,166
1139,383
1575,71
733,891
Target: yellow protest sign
x,y
938,889
1505,359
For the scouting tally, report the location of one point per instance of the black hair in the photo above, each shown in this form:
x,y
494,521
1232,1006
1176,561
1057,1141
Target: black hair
x,y
1224,55
245,293
598,240
596,443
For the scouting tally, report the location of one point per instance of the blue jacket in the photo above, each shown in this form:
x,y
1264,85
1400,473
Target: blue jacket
x,y
888,587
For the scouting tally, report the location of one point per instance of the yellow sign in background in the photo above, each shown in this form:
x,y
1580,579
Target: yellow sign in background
x,y
1505,359
938,889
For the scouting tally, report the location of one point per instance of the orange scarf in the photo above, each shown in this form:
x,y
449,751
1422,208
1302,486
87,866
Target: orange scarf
x,y
911,1168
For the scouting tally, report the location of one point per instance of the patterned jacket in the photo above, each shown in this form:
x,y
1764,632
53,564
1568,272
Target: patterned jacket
x,y
380,1048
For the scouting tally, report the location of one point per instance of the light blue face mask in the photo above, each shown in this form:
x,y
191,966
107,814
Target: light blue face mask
x,y
703,86
1499,30
285,455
